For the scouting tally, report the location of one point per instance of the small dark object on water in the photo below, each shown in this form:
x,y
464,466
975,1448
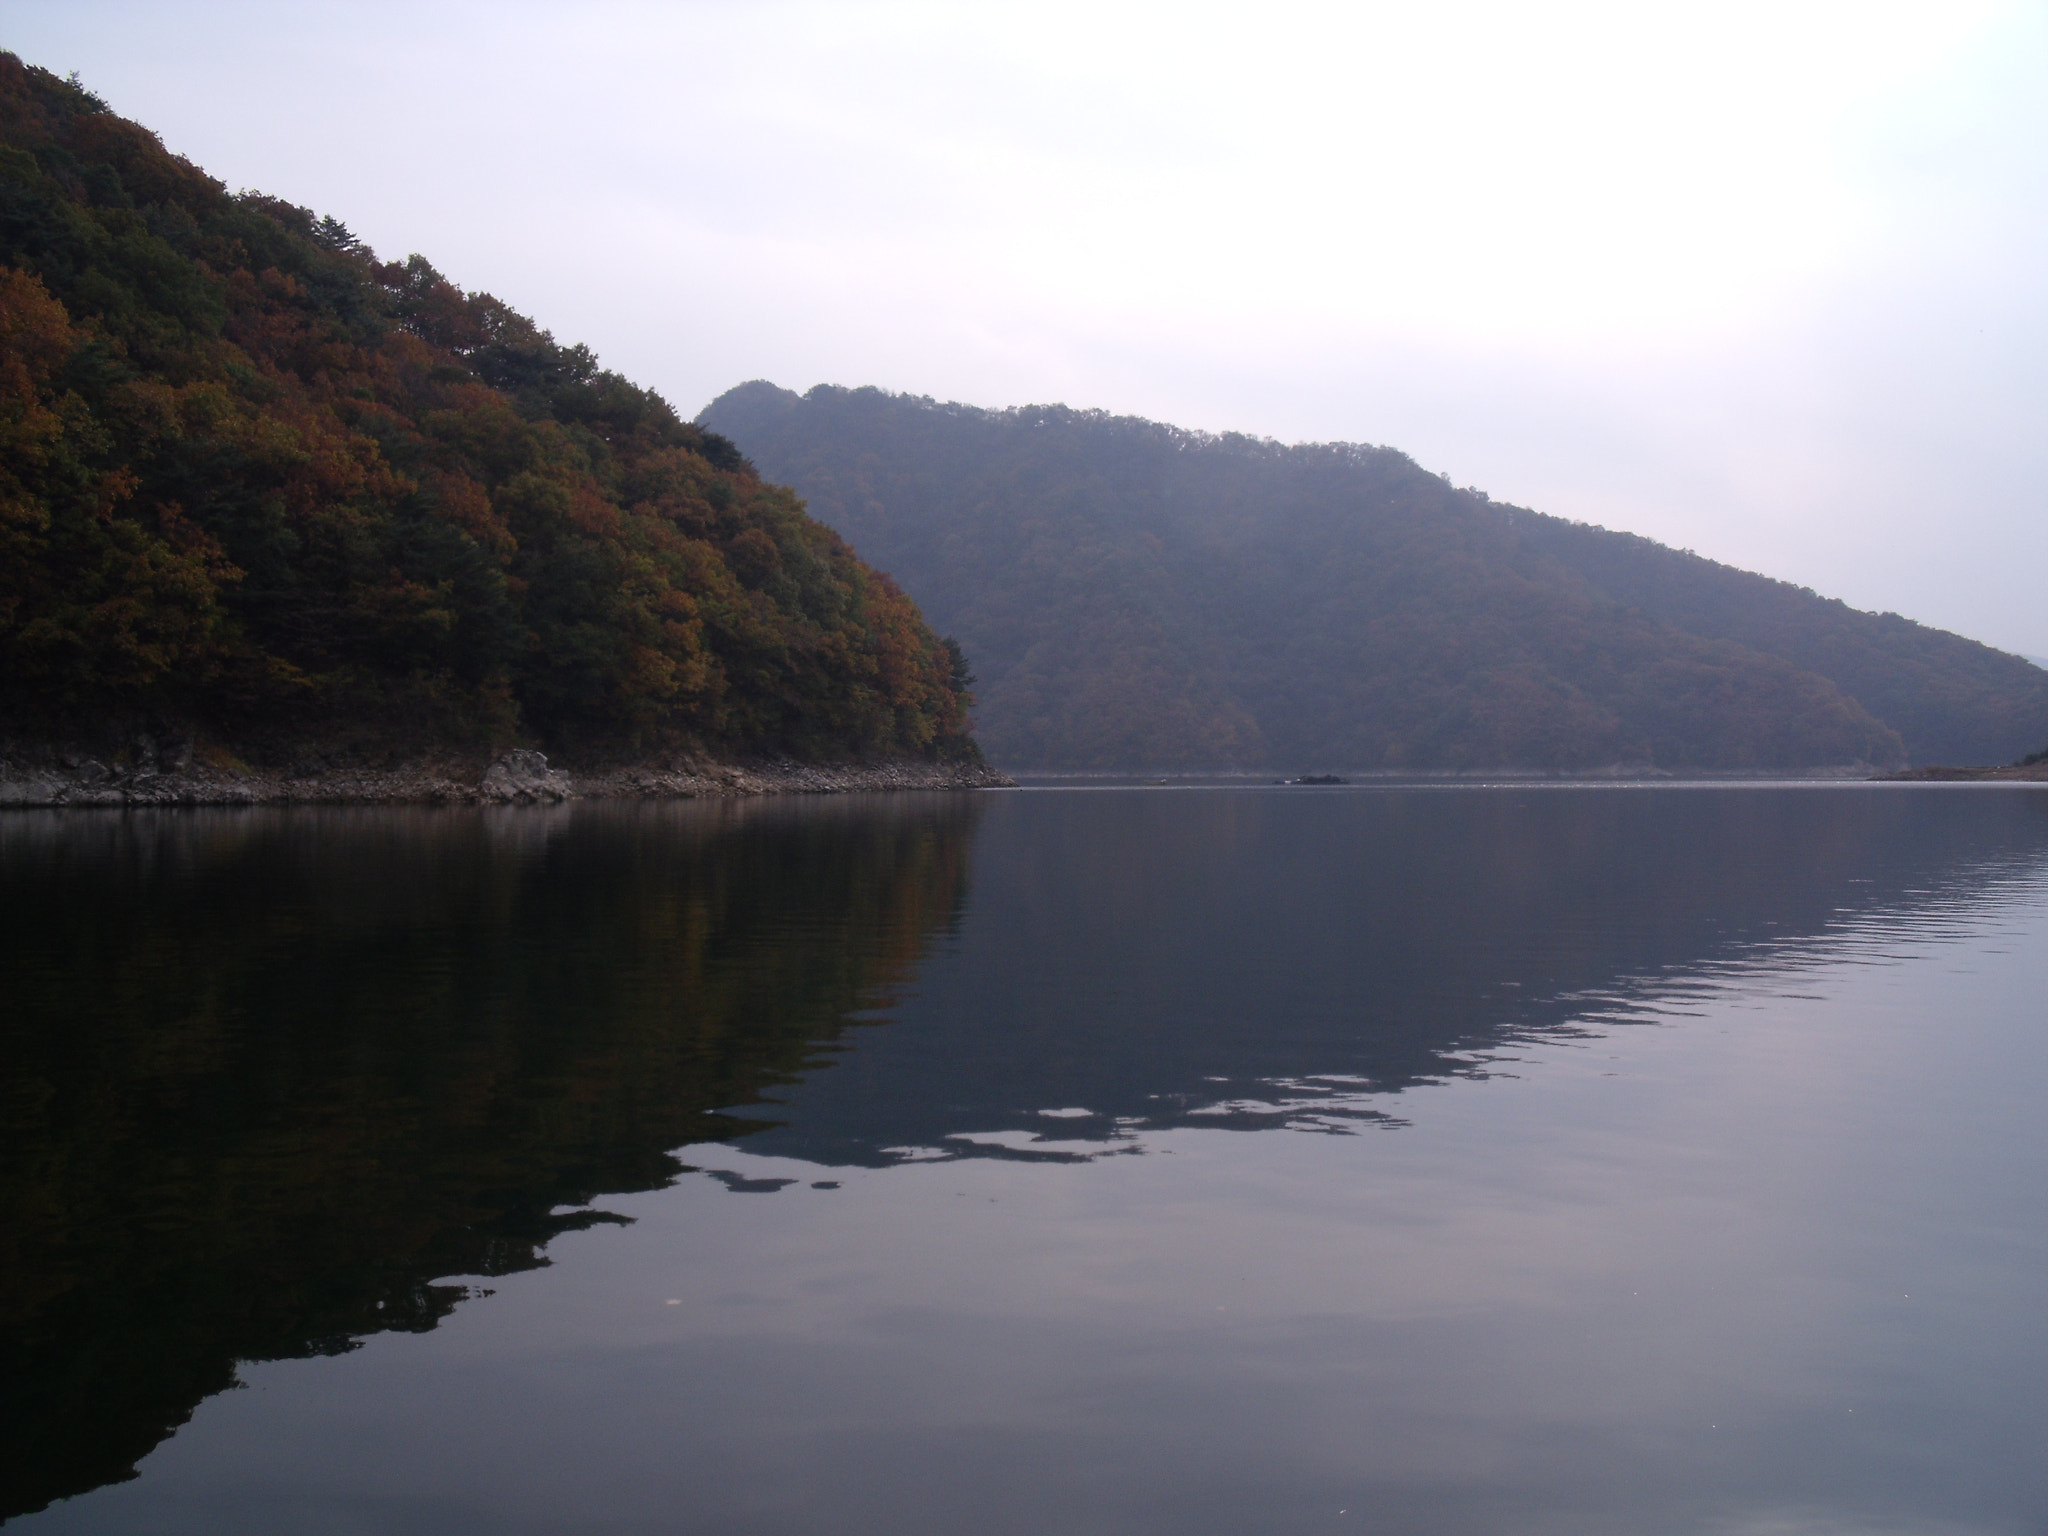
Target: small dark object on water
x,y
1316,778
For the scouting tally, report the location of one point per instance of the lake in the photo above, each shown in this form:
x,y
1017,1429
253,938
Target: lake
x,y
1436,1159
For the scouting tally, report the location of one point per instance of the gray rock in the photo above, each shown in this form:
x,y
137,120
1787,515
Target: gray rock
x,y
18,787
521,775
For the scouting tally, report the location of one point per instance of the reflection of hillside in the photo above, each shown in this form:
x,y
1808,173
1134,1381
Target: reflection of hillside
x,y
271,1076
1209,958
268,1076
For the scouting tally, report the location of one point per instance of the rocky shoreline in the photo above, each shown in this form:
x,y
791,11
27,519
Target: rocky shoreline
x,y
516,778
171,777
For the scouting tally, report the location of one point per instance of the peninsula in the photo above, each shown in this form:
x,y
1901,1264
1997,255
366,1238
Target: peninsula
x,y
281,520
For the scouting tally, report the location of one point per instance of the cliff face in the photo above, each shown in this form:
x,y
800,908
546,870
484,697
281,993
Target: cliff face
x,y
261,490
1135,596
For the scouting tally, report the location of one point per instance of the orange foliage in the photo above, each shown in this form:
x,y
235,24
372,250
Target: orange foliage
x,y
255,477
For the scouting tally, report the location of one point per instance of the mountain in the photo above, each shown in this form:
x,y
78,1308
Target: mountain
x,y
259,486
1139,596
1950,699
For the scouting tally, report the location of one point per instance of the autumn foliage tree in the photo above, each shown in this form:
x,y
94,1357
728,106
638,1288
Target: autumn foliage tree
x,y
255,480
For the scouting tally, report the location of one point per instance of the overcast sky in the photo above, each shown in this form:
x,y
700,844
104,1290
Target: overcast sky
x,y
1769,282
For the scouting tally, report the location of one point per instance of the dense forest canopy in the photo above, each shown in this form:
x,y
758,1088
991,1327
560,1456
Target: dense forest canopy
x,y
1138,596
261,485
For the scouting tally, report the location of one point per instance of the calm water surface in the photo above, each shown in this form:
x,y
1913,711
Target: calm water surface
x,y
1595,1160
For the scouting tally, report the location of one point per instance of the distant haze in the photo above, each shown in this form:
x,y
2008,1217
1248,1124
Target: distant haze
x,y
1133,597
1760,281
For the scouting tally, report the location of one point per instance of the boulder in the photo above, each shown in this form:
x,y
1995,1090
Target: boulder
x,y
523,777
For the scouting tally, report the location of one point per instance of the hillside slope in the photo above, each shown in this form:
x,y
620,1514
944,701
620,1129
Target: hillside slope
x,y
1139,596
1951,700
258,486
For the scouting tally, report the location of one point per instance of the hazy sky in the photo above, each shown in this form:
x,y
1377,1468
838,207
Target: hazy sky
x,y
1769,282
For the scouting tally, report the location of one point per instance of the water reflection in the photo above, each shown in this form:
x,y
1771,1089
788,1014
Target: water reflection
x,y
271,1077
1141,961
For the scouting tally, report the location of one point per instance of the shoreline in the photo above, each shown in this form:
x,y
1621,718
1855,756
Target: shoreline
x,y
522,777
2013,773
516,778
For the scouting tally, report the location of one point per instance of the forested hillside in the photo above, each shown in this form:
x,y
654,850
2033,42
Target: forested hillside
x,y
1952,700
1137,596
258,485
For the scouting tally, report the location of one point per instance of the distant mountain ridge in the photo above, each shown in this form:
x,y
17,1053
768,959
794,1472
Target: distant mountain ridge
x,y
1134,595
1950,699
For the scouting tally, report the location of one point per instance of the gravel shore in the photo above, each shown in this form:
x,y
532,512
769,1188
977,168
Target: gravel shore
x,y
518,777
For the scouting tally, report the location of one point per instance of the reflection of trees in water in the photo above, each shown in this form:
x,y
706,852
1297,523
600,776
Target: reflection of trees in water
x,y
1258,959
269,1075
